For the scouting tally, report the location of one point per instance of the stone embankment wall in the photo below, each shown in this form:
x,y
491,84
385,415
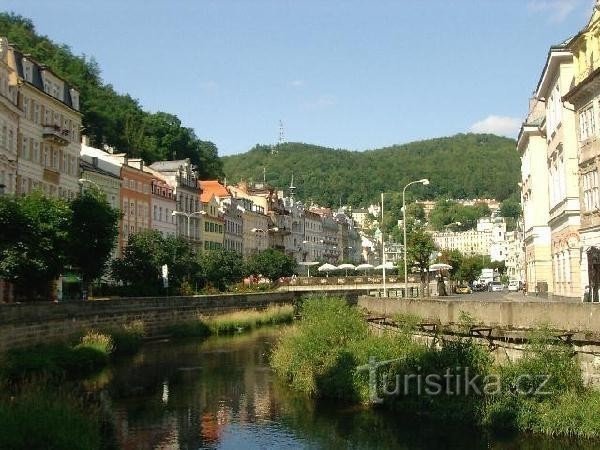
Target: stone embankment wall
x,y
26,324
581,318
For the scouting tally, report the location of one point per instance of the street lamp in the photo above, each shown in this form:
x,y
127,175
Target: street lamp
x,y
188,216
424,182
82,181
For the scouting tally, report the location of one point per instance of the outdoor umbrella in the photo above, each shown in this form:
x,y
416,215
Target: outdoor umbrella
x,y
308,264
326,268
364,267
346,267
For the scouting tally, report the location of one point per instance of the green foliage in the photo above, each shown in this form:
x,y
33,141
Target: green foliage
x,y
128,339
221,267
32,250
420,248
272,264
510,208
446,215
191,328
92,233
109,117
53,361
40,417
146,252
470,268
249,319
98,341
327,176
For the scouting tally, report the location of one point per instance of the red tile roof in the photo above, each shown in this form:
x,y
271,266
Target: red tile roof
x,y
210,188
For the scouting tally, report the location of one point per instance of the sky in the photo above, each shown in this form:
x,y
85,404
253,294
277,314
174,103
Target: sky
x,y
338,73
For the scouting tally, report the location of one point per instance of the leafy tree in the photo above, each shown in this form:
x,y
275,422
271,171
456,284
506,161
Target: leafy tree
x,y
451,215
420,248
139,267
182,262
453,258
510,208
92,234
272,264
470,269
32,246
221,267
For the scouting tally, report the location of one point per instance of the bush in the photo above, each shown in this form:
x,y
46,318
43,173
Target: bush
x,y
193,328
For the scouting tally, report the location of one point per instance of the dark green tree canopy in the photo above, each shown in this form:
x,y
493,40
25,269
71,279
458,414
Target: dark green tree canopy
x,y
272,264
461,166
221,267
447,215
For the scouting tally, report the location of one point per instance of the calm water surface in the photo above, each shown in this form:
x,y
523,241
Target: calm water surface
x,y
220,393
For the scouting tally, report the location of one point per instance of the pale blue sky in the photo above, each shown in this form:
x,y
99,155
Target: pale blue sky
x,y
339,73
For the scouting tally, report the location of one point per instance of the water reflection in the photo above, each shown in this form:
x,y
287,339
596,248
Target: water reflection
x,y
221,394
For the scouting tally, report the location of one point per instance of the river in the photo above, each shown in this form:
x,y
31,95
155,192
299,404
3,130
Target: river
x,y
221,394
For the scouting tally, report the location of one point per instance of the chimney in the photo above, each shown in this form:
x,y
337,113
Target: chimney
x,y
142,165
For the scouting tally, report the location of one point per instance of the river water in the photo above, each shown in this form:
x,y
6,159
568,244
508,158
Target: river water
x,y
221,394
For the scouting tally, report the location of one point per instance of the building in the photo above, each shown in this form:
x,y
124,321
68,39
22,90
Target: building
x,y
255,228
532,147
233,214
48,135
181,175
135,198
584,95
162,204
212,223
9,123
314,241
360,216
561,164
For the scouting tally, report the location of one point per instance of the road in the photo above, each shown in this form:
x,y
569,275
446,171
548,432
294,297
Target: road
x,y
497,296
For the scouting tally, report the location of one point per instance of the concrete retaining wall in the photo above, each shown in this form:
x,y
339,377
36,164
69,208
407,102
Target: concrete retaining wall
x,y
575,317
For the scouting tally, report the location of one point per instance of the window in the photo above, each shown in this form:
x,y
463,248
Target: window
x,y
25,148
590,191
36,113
155,212
587,123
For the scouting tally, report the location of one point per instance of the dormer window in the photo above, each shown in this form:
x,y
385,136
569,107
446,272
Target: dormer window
x,y
27,70
75,99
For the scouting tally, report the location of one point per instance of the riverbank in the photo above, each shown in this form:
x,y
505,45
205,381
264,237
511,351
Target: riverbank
x,y
43,401
332,354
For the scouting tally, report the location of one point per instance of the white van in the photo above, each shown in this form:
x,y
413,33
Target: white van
x,y
513,286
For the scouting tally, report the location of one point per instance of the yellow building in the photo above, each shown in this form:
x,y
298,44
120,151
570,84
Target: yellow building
x,y
212,223
9,124
584,94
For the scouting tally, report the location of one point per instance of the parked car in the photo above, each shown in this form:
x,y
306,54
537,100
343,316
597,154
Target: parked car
x,y
496,286
513,286
478,287
462,289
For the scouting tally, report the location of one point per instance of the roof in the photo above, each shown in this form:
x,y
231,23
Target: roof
x,y
170,166
210,188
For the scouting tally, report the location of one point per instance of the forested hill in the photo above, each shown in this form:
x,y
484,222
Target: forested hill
x,y
109,117
461,166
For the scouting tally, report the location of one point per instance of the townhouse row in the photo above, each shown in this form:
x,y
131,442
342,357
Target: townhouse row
x,y
41,148
559,145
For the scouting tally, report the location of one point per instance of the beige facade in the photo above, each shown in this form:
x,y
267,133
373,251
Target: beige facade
x,y
212,225
9,123
255,229
532,148
48,139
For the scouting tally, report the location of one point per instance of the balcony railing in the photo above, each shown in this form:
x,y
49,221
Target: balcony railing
x,y
56,134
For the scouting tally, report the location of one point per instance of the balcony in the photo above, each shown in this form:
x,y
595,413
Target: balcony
x,y
51,176
56,135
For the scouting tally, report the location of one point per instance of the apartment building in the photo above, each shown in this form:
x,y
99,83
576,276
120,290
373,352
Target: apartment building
x,y
48,139
162,204
9,122
212,223
136,198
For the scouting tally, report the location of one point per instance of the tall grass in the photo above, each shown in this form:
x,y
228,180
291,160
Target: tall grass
x,y
38,418
250,319
325,353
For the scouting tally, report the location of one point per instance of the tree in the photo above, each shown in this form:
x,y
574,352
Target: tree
x,y
92,234
221,267
453,258
470,269
32,246
419,251
510,208
181,260
272,264
139,267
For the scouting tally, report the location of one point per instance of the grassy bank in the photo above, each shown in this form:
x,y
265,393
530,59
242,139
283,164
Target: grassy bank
x,y
331,353
233,322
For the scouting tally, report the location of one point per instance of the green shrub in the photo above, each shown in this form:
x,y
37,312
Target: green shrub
x,y
249,319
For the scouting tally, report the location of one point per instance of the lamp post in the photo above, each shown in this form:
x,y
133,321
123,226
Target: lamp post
x,y
424,182
82,182
383,248
262,231
188,216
